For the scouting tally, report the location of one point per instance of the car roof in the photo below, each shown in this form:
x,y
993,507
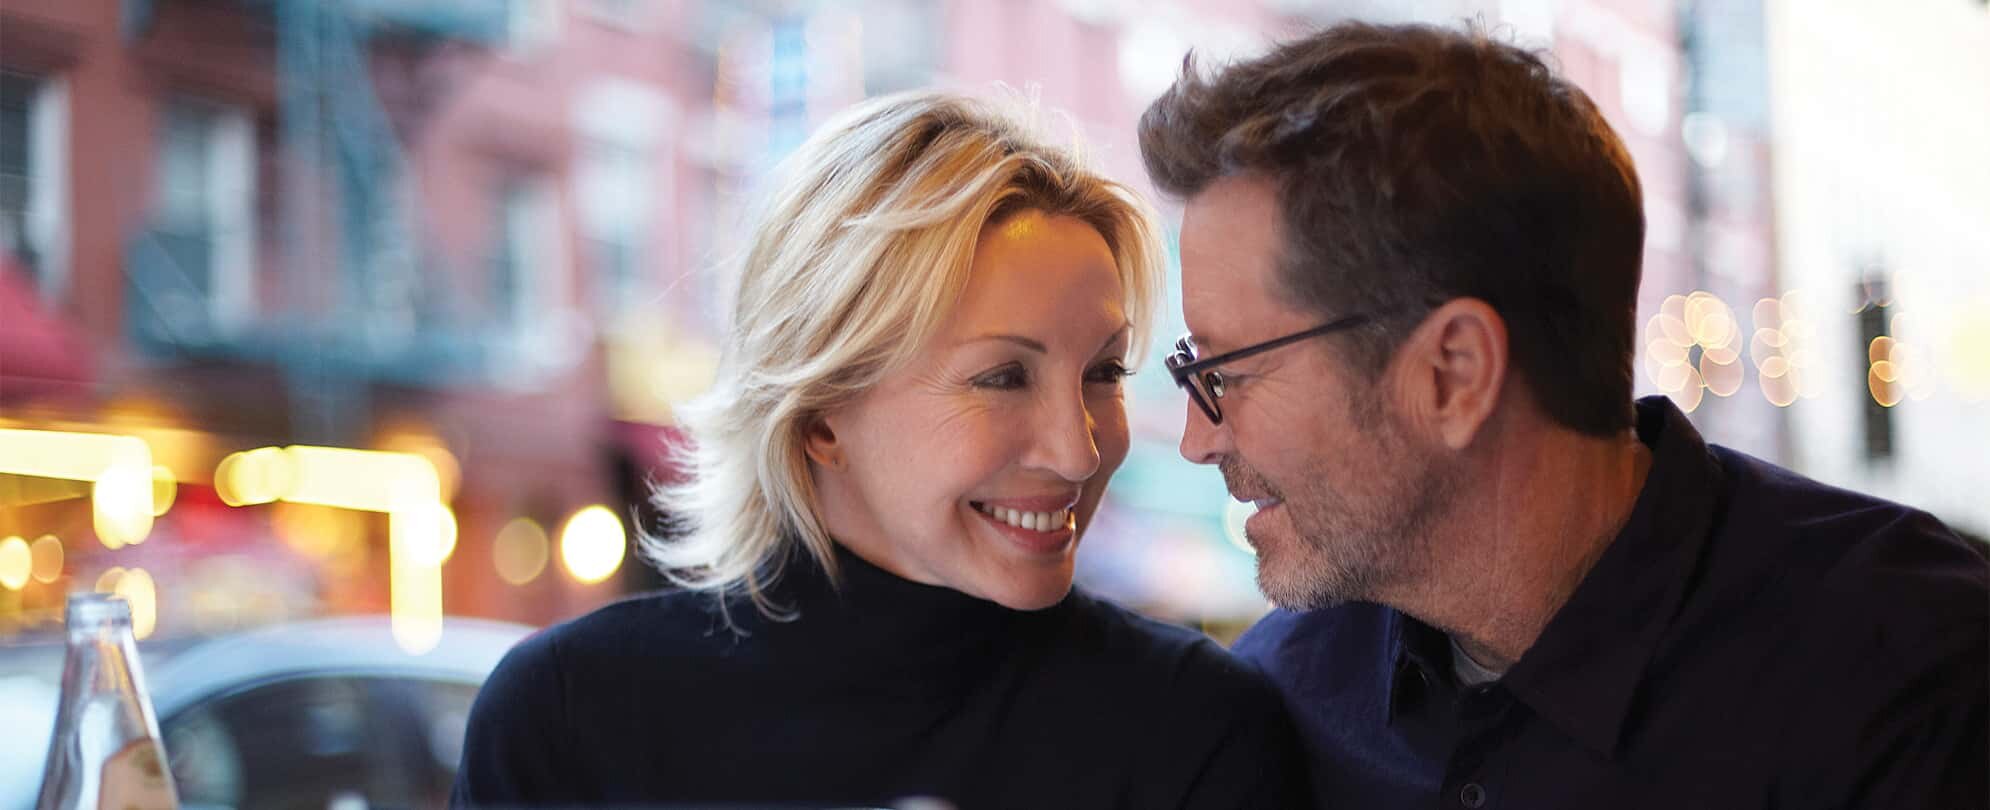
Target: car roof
x,y
468,650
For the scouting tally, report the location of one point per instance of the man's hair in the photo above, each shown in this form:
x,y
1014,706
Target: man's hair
x,y
1414,165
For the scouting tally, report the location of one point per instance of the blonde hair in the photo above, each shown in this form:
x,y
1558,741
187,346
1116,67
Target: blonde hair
x,y
860,252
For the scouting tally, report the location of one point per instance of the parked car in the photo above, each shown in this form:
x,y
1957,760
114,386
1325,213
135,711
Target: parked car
x,y
318,714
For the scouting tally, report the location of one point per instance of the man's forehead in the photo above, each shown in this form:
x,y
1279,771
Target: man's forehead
x,y
1229,249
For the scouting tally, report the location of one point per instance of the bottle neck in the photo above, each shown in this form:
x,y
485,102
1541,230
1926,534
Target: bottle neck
x,y
93,614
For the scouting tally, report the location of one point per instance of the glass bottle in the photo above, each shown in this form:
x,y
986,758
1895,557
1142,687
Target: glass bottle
x,y
105,752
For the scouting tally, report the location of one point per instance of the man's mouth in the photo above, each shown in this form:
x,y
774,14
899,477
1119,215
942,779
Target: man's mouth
x,y
1259,503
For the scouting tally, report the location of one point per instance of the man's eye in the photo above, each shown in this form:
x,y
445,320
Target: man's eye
x,y
1111,372
1006,378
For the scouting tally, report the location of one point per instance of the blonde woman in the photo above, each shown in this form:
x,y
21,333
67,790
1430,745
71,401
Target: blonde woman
x,y
917,411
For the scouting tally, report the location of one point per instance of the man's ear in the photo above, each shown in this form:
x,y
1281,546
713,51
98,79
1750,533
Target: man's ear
x,y
1453,370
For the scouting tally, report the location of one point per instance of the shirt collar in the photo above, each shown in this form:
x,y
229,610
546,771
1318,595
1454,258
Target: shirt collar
x,y
1583,671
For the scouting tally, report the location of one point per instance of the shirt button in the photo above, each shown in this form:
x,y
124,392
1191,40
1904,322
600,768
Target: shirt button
x,y
1472,795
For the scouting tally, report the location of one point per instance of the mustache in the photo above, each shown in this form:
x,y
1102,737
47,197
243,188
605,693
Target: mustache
x,y
1238,477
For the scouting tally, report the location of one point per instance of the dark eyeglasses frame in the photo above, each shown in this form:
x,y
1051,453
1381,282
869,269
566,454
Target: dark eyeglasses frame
x,y
1197,376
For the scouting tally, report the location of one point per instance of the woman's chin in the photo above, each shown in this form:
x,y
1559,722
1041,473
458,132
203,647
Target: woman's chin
x,y
1032,592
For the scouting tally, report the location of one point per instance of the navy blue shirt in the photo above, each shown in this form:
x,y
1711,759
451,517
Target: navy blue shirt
x,y
1751,639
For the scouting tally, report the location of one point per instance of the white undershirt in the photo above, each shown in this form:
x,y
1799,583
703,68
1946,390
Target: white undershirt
x,y
1469,672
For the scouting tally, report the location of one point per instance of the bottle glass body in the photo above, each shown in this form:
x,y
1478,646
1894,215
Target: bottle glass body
x,y
105,750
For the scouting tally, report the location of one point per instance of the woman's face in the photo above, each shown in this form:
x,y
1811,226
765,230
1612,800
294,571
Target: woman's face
x,y
977,466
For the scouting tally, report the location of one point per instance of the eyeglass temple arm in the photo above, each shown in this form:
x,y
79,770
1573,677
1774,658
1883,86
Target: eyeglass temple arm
x,y
1336,325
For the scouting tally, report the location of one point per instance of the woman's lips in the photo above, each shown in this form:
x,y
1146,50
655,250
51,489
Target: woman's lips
x,y
1022,528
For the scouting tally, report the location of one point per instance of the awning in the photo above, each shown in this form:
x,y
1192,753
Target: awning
x,y
41,354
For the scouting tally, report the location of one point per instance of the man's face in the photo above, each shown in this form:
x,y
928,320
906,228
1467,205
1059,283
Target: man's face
x,y
1345,493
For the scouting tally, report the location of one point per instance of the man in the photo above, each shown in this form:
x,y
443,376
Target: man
x,y
1410,262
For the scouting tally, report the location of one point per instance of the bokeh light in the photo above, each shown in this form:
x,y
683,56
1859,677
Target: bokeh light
x,y
108,580
121,503
592,544
16,563
427,531
47,554
520,550
137,588
165,489
254,476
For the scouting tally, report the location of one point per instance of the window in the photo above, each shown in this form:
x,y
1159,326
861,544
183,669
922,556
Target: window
x,y
308,742
34,236
1883,390
621,179
527,271
204,218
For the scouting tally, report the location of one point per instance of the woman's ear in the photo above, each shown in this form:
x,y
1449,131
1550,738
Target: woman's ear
x,y
819,441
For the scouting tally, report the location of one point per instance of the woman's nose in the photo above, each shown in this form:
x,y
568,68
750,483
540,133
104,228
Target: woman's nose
x,y
1064,441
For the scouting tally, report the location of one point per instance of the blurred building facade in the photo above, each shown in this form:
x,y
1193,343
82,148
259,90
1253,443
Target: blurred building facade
x,y
373,225
1883,222
488,232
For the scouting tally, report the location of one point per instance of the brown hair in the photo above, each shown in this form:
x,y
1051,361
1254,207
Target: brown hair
x,y
1414,165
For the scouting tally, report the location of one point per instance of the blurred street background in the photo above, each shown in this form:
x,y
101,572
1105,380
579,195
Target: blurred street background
x,y
331,308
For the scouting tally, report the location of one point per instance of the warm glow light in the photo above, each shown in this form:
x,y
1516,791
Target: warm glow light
x,y
254,476
1779,389
17,563
1724,354
1674,330
592,544
1666,352
1673,378
1880,350
447,470
47,554
316,531
414,583
1767,343
137,588
165,489
118,469
1691,393
121,504
1884,391
428,531
1723,379
1885,371
107,581
1768,314
361,479
407,486
519,551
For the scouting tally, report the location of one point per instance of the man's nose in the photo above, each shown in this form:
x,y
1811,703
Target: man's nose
x,y
1202,441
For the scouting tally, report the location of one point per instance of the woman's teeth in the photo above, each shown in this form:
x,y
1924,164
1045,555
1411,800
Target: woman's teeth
x,y
1033,521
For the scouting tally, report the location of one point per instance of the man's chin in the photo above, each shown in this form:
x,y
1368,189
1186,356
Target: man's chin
x,y
1296,593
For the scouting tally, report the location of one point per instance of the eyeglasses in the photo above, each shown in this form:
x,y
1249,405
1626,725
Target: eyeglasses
x,y
1204,383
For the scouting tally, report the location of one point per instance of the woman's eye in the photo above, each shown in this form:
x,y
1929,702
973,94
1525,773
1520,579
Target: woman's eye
x,y
1110,372
1006,378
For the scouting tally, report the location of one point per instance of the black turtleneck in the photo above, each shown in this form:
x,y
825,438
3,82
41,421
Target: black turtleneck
x,y
880,690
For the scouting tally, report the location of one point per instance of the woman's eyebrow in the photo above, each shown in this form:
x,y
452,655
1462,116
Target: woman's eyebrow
x,y
1028,343
1037,345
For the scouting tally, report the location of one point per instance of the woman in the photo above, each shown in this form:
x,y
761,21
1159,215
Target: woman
x,y
917,411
